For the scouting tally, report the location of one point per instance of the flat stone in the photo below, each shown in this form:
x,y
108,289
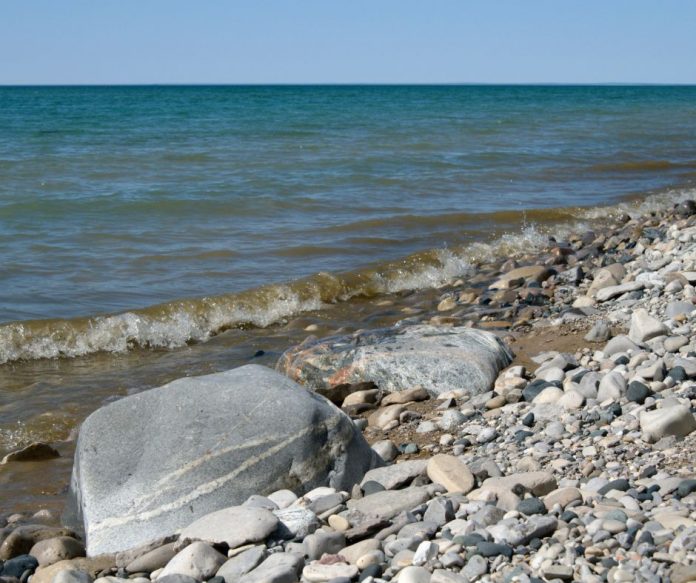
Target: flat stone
x,y
169,579
369,396
397,475
198,560
406,396
277,568
389,503
644,327
613,291
450,472
517,277
151,561
224,443
234,526
386,415
562,572
353,552
488,549
317,572
562,497
282,498
445,576
72,576
677,421
438,359
538,483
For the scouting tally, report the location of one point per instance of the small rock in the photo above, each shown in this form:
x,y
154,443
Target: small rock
x,y
198,560
451,473
233,526
644,327
677,421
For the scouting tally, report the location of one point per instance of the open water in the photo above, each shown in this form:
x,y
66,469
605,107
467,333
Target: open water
x,y
148,233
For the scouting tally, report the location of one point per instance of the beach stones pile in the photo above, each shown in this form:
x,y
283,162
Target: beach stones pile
x,y
577,466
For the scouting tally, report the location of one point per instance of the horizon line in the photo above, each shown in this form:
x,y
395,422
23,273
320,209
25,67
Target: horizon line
x,y
362,84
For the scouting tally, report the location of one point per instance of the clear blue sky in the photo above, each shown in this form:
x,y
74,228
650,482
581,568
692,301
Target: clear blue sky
x,y
344,41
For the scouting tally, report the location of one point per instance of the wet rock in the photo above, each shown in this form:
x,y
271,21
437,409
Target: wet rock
x,y
34,452
17,566
517,277
284,436
56,549
23,538
437,359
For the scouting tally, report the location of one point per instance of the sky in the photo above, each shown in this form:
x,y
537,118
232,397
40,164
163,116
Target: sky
x,y
347,41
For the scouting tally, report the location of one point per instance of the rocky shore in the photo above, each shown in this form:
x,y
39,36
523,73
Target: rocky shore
x,y
573,462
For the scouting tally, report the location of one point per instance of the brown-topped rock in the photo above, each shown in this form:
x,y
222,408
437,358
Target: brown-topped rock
x,y
437,359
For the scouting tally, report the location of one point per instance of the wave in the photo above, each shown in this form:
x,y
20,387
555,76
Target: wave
x,y
177,323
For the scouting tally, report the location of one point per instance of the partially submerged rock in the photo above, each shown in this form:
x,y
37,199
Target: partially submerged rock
x,y
439,359
150,464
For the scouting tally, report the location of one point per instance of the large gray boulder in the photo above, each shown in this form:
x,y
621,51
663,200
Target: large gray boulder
x,y
150,464
437,358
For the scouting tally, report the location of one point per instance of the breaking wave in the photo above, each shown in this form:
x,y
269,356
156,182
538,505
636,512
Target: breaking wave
x,y
177,323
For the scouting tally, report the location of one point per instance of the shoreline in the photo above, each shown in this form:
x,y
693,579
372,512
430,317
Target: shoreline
x,y
537,317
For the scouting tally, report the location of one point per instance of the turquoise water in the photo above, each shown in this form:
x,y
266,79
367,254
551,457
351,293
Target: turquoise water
x,y
115,198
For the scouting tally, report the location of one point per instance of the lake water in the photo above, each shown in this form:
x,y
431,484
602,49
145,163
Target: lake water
x,y
148,233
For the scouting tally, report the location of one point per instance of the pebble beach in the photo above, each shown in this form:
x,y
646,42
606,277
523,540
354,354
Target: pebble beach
x,y
540,427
